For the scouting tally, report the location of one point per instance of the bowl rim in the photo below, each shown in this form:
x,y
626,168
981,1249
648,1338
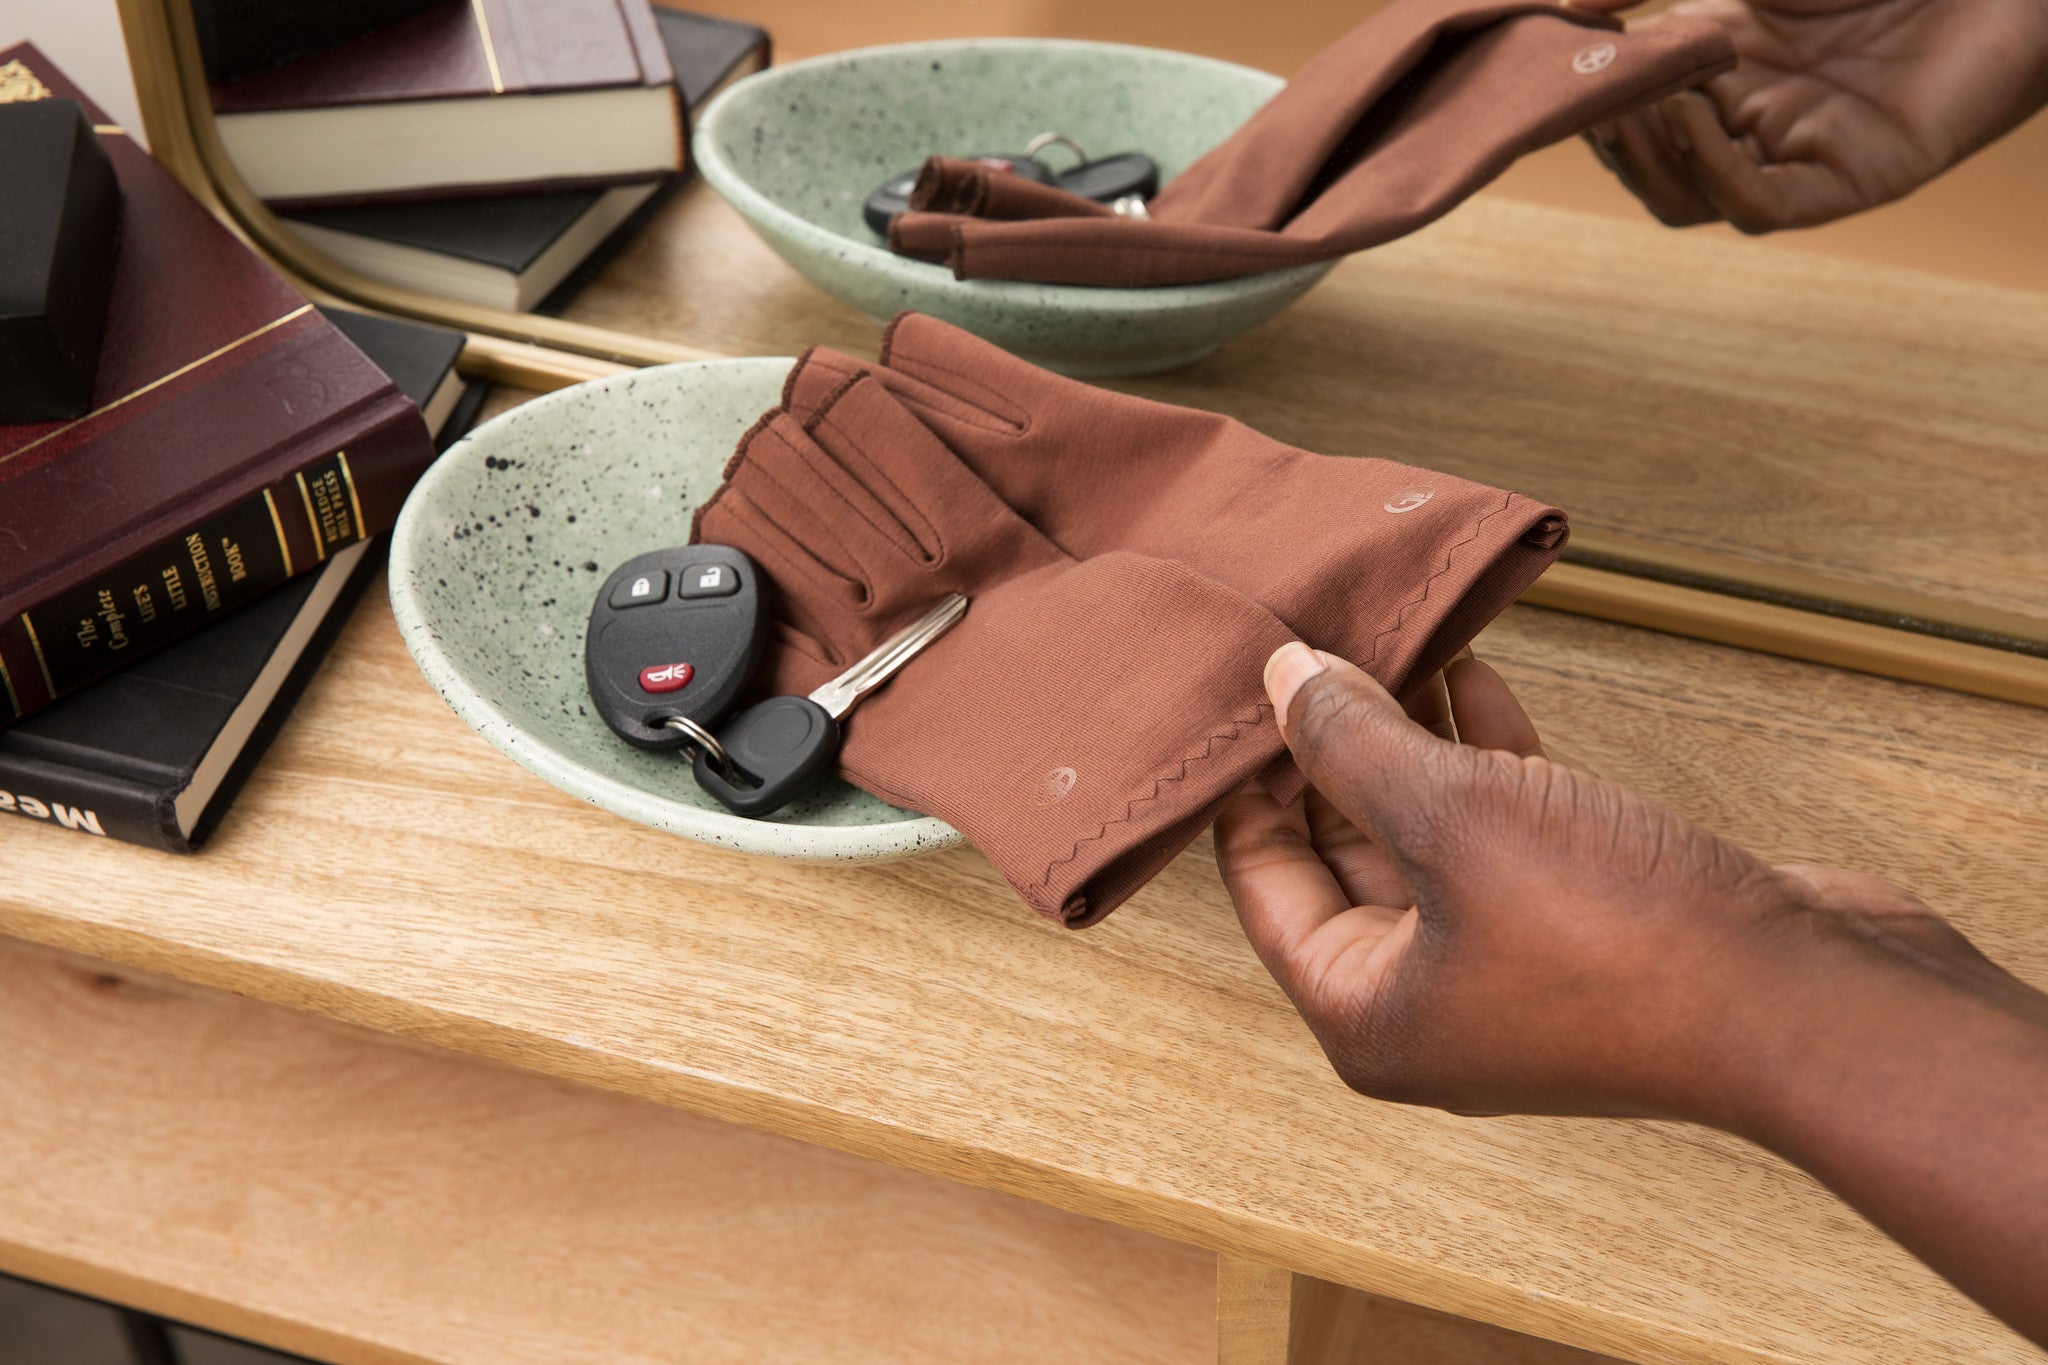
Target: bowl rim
x,y
818,843
754,206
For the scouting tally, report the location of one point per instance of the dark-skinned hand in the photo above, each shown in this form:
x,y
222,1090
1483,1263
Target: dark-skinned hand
x,y
1465,923
1834,106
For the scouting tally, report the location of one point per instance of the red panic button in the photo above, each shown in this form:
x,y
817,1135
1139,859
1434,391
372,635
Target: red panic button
x,y
666,677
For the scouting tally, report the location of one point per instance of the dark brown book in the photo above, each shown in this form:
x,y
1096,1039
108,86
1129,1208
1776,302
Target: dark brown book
x,y
236,439
240,37
491,97
530,250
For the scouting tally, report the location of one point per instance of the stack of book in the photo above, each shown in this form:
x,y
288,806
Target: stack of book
x,y
491,151
176,554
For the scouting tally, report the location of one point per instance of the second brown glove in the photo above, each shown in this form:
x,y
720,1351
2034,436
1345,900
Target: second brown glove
x,y
1386,130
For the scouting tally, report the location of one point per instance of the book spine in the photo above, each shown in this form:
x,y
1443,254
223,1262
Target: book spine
x,y
96,805
81,633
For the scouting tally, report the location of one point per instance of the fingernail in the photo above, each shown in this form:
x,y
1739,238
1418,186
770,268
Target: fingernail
x,y
1293,664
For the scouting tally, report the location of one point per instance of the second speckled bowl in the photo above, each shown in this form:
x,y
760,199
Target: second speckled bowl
x,y
502,547
798,148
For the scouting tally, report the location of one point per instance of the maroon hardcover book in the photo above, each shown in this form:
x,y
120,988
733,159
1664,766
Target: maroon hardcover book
x,y
235,439
493,96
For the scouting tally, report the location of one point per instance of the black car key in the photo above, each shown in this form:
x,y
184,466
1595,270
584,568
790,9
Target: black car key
x,y
893,196
1112,178
673,638
777,750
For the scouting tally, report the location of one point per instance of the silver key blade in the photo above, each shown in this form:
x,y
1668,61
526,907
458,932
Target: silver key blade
x,y
839,695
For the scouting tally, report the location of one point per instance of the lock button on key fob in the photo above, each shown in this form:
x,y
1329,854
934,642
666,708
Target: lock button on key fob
x,y
673,633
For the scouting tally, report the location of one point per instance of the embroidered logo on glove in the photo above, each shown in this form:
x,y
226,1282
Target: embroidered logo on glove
x,y
1598,57
1053,788
1410,500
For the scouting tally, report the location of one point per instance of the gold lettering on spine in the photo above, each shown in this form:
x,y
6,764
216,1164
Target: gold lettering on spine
x,y
37,645
306,496
277,524
341,458
13,702
483,31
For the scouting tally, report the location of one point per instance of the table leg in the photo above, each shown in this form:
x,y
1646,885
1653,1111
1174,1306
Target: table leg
x,y
1269,1316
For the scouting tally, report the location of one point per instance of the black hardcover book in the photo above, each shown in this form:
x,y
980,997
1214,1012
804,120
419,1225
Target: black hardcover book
x,y
710,53
155,753
530,251
240,37
60,218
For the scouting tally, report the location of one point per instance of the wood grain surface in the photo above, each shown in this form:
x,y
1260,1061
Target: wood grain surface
x,y
1788,410
332,1191
386,868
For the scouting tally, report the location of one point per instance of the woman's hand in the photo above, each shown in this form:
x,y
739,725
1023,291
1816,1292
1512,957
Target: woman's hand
x,y
1835,106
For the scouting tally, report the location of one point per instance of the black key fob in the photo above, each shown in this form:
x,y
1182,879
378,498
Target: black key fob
x,y
674,633
1112,178
894,195
777,750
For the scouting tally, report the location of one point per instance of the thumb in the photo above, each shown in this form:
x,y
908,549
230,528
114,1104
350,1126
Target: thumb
x,y
1356,745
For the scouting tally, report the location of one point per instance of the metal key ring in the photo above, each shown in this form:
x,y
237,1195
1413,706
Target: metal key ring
x,y
704,741
1044,140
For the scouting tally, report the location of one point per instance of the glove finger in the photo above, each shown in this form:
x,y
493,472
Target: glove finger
x,y
813,501
892,452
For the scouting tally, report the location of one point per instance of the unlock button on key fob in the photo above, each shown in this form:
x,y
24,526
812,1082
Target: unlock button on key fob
x,y
707,580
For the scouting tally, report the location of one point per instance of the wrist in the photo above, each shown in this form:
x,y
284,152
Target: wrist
x,y
1839,1019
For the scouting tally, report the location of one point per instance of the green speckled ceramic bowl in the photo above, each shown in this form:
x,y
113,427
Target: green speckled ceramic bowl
x,y
797,149
504,543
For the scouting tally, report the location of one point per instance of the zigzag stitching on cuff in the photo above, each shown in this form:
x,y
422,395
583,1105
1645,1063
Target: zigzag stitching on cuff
x,y
1429,584
1159,783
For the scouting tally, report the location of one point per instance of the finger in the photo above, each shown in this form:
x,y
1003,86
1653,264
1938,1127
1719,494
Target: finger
x,y
1602,6
1642,153
1755,196
1362,866
1354,743
1488,714
1429,706
1282,890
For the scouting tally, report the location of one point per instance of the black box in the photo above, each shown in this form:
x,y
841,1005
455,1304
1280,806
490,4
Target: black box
x,y
60,216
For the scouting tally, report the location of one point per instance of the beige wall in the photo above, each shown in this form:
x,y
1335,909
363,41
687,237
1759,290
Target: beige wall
x,y
1987,220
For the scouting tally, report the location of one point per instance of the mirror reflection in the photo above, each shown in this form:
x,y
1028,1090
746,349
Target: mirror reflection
x,y
1831,368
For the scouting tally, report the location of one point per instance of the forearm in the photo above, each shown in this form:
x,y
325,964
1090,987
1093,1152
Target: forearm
x,y
1922,1102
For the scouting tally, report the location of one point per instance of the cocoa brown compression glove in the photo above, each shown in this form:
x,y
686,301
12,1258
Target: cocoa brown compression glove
x,y
1081,723
1392,567
1384,131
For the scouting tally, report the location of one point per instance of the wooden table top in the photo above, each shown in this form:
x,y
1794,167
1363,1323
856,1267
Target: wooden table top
x,y
385,867
1787,409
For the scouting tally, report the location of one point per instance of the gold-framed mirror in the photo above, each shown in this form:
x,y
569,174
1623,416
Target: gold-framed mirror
x,y
1811,457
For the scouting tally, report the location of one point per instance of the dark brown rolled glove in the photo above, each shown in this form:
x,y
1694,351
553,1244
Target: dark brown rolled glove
x,y
1392,567
1386,130
1081,723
